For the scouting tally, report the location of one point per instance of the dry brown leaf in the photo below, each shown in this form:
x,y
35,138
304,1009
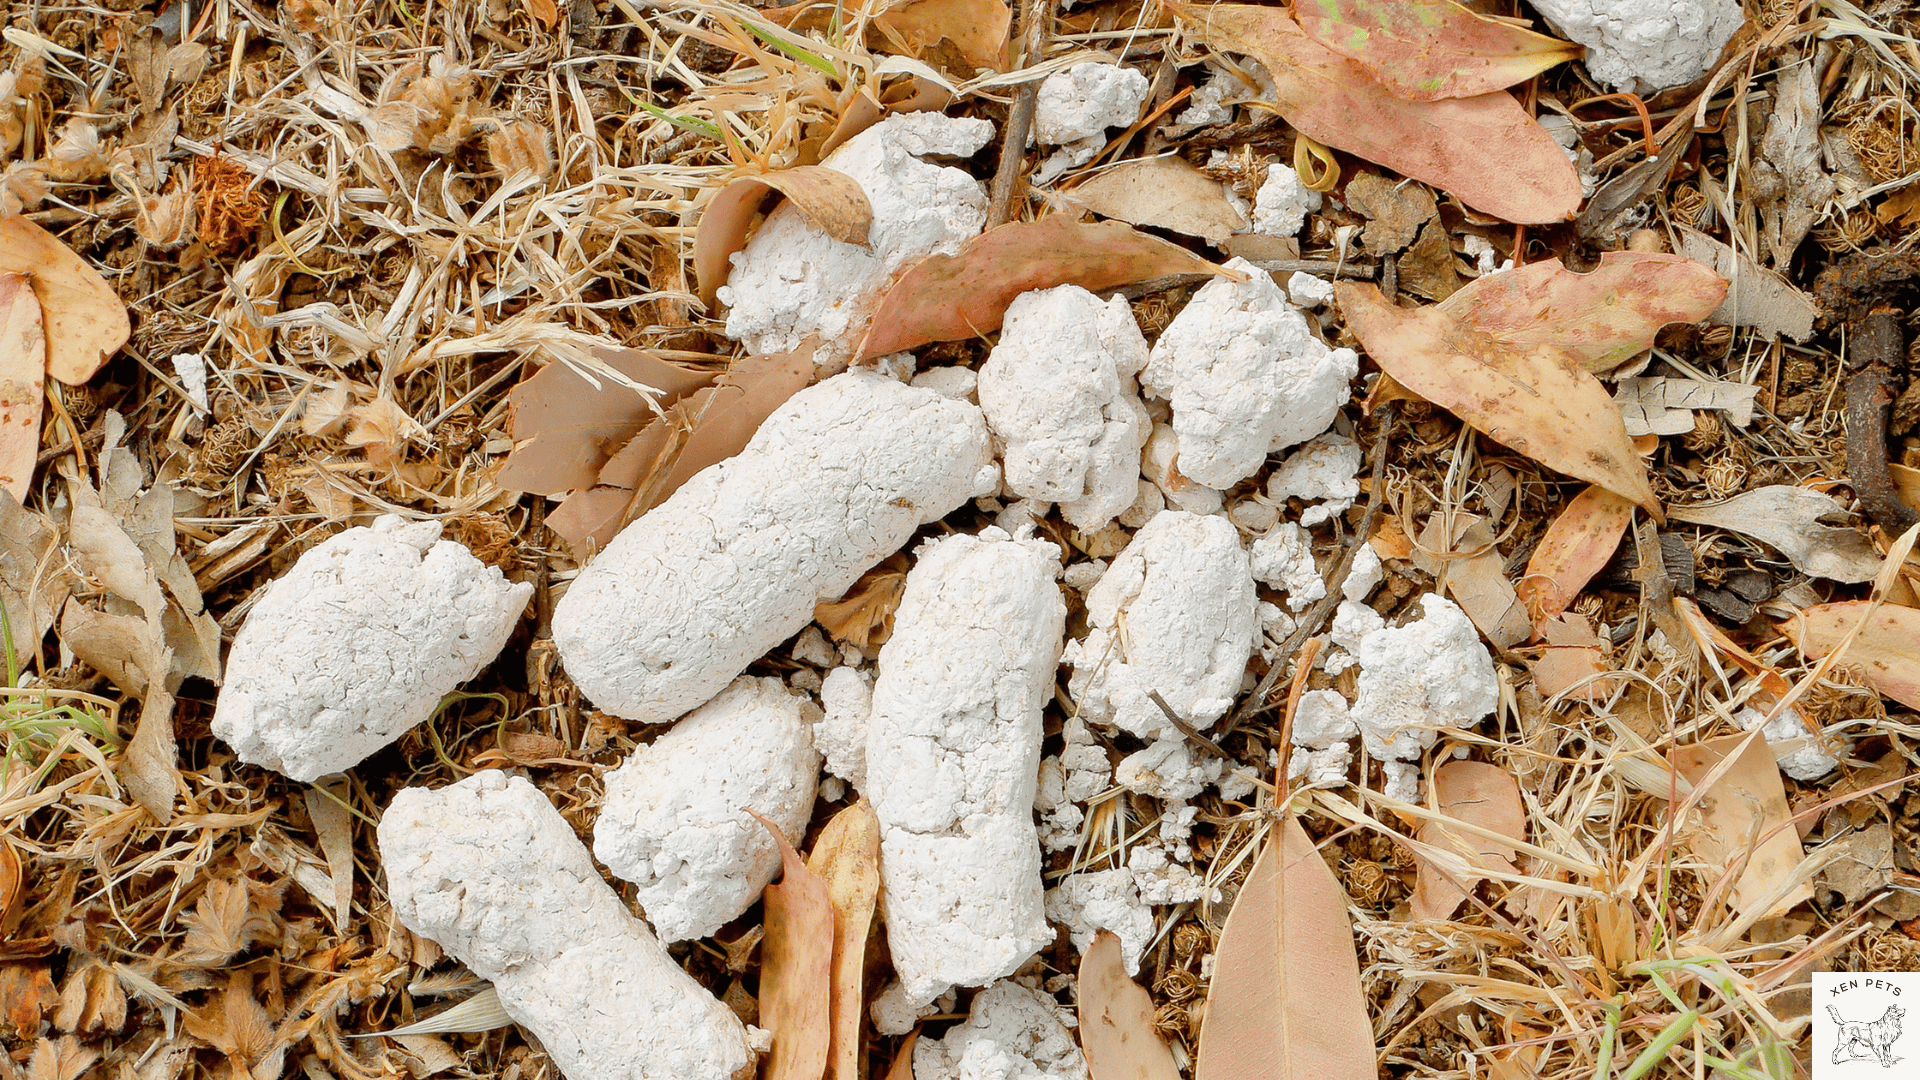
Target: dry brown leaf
x,y
1165,192
92,1001
564,428
1530,397
954,297
847,858
830,198
1886,653
864,616
1427,269
26,992
701,429
10,886
23,372
1661,406
236,1024
1285,1002
1571,657
1485,149
83,319
1757,297
1426,50
796,968
902,1067
977,28
546,11
1479,794
1745,816
1116,1019
333,827
230,915
1787,517
62,1059
34,583
1475,576
1575,548
1395,211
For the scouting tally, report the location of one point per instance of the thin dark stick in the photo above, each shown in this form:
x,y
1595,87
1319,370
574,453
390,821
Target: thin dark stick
x,y
1036,19
1187,729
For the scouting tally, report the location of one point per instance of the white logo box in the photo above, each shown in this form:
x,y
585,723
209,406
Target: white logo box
x,y
1865,1024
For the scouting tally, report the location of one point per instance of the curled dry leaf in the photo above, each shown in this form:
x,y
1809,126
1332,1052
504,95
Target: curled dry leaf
x,y
864,616
33,582
1116,1019
1575,548
1886,653
564,427
1758,297
796,967
10,880
977,28
1285,1002
1485,149
1787,517
83,319
1745,817
830,198
1480,794
1426,50
847,858
23,372
954,297
1164,192
1474,575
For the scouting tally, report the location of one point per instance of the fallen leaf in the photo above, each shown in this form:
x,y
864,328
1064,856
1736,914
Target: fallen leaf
x,y
1475,576
1427,270
65,1059
864,616
83,319
230,915
1285,1002
565,428
1787,517
1886,653
34,582
26,993
701,429
546,11
1426,50
1571,657
796,968
1661,406
1748,803
1486,150
955,297
23,370
1787,183
902,1067
92,1001
977,28
1900,208
1478,794
236,1024
1164,192
1575,548
1531,398
830,198
1116,1019
1756,296
10,882
1394,210
333,827
847,858
428,1055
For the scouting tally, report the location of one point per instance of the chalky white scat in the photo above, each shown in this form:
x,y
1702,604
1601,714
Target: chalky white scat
x,y
357,643
491,871
953,756
732,564
675,819
1012,1033
1646,45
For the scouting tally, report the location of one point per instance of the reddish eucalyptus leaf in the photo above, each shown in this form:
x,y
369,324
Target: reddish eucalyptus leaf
x,y
1530,398
796,967
830,198
1601,319
953,297
1285,1002
23,373
1484,149
565,428
1426,50
83,318
1577,545
1116,1019
1747,803
847,858
1887,652
1478,794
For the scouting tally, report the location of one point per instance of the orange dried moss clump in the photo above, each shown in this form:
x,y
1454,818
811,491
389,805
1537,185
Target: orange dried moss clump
x,y
228,206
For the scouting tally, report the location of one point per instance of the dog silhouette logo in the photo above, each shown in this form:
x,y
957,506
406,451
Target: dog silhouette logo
x,y
1867,1038
1859,1023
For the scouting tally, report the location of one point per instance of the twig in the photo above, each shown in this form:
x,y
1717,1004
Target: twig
x,y
1874,350
1191,732
1036,18
1316,615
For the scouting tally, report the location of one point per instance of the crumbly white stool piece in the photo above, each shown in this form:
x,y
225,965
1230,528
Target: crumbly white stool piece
x,y
1074,108
846,697
491,871
1013,1033
793,281
1321,720
1364,576
1167,769
1159,463
1308,291
704,584
952,381
1283,560
1399,780
675,821
1245,376
1324,472
1794,747
1324,766
1087,903
1352,622
953,755
1161,880
1282,204
1059,391
1186,595
1646,45
357,643
1418,678
1254,515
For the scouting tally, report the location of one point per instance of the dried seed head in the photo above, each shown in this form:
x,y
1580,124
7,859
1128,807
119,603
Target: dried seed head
x,y
22,187
79,156
165,220
521,146
306,16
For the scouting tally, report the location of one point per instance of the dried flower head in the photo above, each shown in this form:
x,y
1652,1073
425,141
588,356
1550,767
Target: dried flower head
x,y
227,205
432,111
22,187
521,146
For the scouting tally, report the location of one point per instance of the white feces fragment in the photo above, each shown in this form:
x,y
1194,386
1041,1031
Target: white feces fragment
x,y
1282,204
1418,678
953,756
793,280
1183,591
359,642
730,566
675,821
1646,45
491,871
1075,107
1794,747
1245,377
1103,900
1324,472
1059,390
1013,1033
